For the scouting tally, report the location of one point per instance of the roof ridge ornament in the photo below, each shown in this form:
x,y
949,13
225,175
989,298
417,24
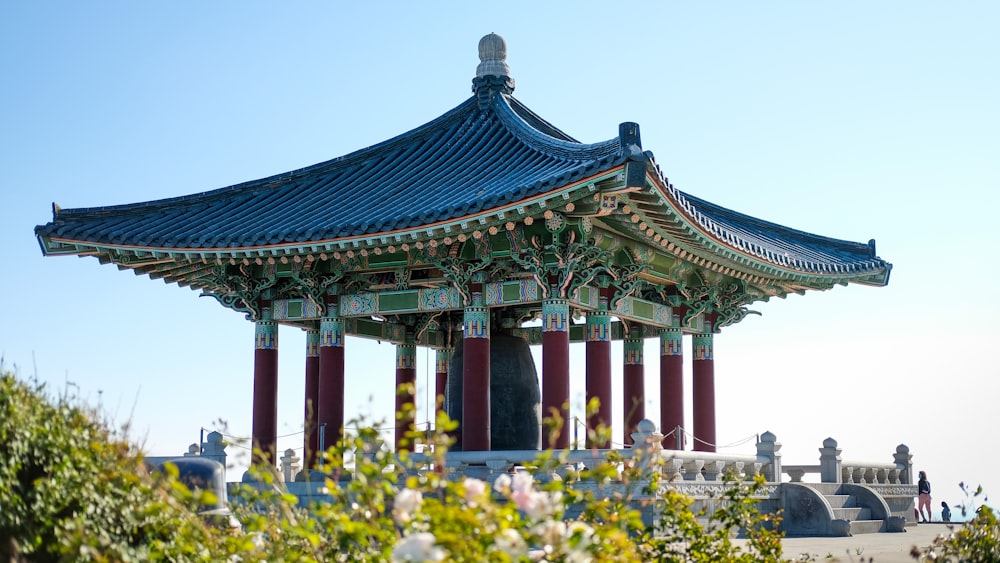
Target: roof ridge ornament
x,y
492,74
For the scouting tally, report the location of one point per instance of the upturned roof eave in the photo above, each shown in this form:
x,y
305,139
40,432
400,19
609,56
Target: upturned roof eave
x,y
716,248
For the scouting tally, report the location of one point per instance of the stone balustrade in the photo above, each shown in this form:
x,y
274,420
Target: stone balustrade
x,y
834,470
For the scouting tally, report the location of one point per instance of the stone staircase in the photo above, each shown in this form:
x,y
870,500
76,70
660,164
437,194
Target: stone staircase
x,y
835,509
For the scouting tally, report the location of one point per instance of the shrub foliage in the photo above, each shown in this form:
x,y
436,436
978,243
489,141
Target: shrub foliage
x,y
71,489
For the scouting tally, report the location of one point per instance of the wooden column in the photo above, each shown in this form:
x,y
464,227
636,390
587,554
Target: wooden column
x,y
265,386
703,392
475,424
633,382
406,381
672,387
310,440
331,379
555,368
598,342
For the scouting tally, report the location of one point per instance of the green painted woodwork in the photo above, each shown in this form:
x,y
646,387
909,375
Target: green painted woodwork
x,y
399,301
643,309
512,292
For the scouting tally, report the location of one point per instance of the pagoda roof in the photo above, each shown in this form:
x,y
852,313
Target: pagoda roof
x,y
469,160
481,163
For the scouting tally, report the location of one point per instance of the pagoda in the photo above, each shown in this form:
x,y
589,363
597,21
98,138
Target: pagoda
x,y
461,235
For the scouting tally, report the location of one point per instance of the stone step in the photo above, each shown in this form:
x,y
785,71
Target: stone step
x,y
849,514
853,513
866,526
839,501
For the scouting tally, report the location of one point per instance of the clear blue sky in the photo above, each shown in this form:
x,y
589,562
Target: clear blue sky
x,y
853,120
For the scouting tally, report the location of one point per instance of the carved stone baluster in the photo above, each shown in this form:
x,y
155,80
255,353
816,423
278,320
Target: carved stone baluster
x,y
736,468
692,470
672,468
713,470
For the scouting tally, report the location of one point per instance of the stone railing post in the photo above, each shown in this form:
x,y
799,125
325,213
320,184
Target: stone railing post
x,y
647,444
289,465
769,448
829,462
904,462
214,448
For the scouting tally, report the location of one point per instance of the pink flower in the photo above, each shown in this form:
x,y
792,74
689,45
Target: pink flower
x,y
474,490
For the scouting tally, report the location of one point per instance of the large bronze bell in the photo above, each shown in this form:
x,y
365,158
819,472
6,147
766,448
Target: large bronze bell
x,y
515,401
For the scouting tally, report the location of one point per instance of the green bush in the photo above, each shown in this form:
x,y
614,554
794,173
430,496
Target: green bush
x,y
73,490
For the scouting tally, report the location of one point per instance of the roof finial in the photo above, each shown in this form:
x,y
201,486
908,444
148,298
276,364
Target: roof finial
x,y
493,69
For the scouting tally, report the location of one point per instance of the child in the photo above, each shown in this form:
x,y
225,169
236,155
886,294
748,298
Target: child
x,y
945,512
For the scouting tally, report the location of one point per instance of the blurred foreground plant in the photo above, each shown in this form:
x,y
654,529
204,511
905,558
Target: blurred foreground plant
x,y
73,490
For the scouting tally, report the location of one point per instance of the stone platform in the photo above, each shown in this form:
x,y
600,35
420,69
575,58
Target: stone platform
x,y
881,548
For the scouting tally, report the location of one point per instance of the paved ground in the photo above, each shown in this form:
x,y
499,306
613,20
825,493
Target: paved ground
x,y
879,548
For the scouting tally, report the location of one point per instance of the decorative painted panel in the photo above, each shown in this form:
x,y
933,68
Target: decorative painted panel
x,y
295,309
701,346
598,327
625,307
494,293
664,315
312,343
439,298
609,203
331,332
442,359
476,322
633,351
555,315
358,304
265,335
671,342
406,356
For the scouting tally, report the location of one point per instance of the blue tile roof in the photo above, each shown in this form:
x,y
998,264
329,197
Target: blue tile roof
x,y
466,161
489,152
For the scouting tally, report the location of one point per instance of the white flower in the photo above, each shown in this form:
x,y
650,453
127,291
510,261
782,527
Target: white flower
x,y
502,483
578,539
541,504
510,542
522,482
405,504
417,547
474,490
551,533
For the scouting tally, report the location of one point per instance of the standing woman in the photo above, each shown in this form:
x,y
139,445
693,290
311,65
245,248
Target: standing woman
x,y
923,497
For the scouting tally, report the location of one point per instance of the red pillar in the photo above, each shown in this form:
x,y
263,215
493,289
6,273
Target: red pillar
x,y
672,387
555,368
330,412
406,381
475,424
633,382
311,414
265,386
598,338
703,392
442,361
